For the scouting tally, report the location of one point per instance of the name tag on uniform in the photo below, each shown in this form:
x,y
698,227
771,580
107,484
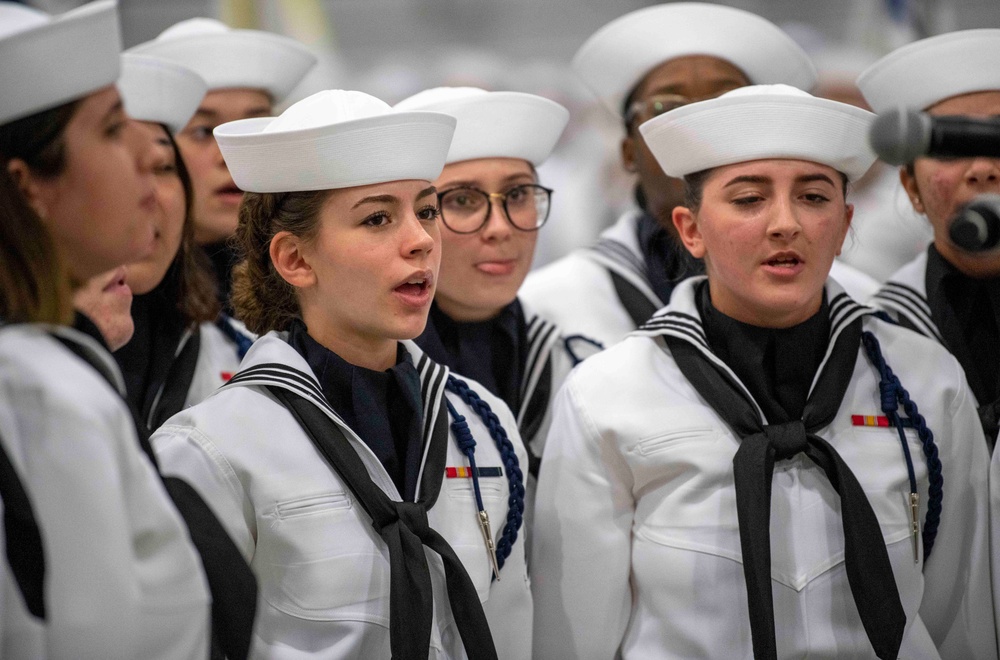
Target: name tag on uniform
x,y
466,473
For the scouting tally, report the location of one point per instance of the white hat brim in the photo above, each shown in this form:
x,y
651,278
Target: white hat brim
x,y
67,58
501,125
730,130
928,71
160,91
392,147
250,59
619,55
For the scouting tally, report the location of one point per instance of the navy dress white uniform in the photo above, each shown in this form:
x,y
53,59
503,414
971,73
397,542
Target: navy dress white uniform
x,y
170,363
122,579
516,354
336,479
932,294
641,542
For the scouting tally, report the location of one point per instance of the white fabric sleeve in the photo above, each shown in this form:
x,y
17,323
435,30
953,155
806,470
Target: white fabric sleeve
x,y
957,605
581,548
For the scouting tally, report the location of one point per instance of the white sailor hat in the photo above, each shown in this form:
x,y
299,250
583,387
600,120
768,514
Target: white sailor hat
x,y
51,60
761,122
158,90
335,139
495,124
928,71
228,58
619,55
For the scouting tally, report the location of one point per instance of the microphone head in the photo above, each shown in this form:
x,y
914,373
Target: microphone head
x,y
900,136
976,227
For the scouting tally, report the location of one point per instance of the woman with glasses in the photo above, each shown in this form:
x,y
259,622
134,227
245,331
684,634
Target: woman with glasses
x,y
767,468
492,207
378,498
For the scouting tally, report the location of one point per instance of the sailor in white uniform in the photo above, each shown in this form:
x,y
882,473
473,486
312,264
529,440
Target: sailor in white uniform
x,y
377,497
639,66
114,570
178,355
492,206
946,293
248,72
765,469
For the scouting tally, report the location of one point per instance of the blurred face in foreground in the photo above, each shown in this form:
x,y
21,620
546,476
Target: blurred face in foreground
x,y
768,231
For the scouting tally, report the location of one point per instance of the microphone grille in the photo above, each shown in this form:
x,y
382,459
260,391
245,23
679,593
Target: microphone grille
x,y
900,136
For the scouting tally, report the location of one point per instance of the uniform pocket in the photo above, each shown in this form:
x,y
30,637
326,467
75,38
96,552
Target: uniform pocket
x,y
663,441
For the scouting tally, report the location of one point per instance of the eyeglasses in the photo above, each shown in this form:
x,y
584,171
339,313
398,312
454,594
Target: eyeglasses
x,y
643,110
466,210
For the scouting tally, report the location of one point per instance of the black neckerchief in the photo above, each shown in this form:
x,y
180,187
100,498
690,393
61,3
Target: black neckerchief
x,y
967,311
493,352
776,365
22,539
223,258
869,571
383,407
149,358
667,260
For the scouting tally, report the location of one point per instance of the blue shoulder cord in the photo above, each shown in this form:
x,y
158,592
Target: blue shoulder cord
x,y
892,393
243,343
515,479
568,344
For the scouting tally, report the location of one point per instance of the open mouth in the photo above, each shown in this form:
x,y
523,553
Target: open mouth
x,y
414,287
784,262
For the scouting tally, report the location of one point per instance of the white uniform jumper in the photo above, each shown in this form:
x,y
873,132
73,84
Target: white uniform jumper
x,y
602,292
323,569
637,550
122,579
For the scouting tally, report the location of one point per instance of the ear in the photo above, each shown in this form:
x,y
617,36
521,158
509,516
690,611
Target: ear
x,y
688,231
848,217
289,260
29,186
628,153
912,191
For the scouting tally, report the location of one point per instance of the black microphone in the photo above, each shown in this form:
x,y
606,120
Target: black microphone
x,y
976,227
901,136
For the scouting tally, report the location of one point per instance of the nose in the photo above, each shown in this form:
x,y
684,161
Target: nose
x,y
417,240
143,149
497,228
783,222
983,173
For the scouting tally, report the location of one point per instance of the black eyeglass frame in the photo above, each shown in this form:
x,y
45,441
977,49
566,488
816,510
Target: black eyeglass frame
x,y
489,206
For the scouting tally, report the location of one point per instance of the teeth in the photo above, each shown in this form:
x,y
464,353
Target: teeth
x,y
415,282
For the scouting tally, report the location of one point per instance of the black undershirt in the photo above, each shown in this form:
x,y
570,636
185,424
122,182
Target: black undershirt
x,y
967,312
223,259
146,359
383,407
494,353
667,260
777,365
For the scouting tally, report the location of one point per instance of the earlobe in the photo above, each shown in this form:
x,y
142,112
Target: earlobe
x,y
289,260
628,153
687,228
27,184
912,191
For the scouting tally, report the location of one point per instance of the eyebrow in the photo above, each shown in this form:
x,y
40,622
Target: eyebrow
x,y
117,107
766,180
391,199
508,179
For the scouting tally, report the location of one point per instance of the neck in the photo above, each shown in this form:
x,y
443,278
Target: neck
x,y
465,314
374,353
978,266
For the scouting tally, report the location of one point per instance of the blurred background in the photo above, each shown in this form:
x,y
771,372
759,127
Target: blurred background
x,y
394,48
